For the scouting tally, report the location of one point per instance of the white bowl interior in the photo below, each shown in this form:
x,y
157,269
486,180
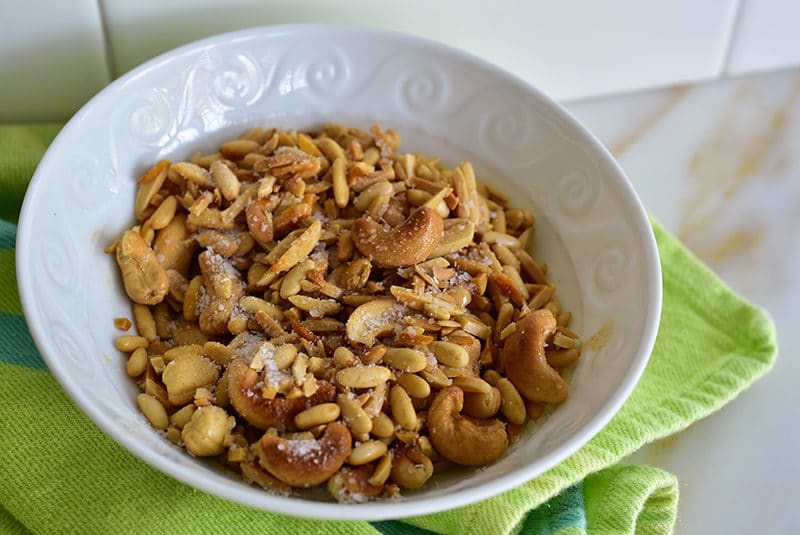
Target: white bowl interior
x,y
591,229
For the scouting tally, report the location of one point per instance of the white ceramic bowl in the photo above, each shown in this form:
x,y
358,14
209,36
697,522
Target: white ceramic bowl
x,y
591,228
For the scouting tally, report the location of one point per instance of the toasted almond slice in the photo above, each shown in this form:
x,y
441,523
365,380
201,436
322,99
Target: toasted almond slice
x,y
314,306
194,173
298,247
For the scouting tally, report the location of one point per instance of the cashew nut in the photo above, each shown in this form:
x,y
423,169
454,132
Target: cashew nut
x,y
204,435
185,374
305,462
263,413
173,247
410,467
223,283
462,439
408,244
483,405
525,362
252,472
373,319
145,280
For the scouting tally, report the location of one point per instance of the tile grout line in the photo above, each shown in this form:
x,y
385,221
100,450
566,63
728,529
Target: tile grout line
x,y
732,33
106,41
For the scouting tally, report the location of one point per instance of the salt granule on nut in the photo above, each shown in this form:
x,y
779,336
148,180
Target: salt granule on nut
x,y
316,308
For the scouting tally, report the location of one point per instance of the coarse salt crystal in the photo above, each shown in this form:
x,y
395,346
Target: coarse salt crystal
x,y
303,447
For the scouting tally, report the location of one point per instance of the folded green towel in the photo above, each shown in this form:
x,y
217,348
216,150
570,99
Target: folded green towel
x,y
61,474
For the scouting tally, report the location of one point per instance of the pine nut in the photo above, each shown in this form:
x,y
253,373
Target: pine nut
x,y
405,359
382,426
472,384
354,416
341,191
450,354
512,405
137,363
182,416
363,376
130,343
382,471
153,410
145,323
402,409
344,358
366,452
317,415
416,386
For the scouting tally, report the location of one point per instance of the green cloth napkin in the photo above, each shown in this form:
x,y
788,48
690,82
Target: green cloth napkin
x,y
60,474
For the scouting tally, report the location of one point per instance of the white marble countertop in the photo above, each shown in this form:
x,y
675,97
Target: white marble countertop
x,y
719,165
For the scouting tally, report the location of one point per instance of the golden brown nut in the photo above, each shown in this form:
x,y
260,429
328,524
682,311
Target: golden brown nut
x,y
204,435
462,439
145,279
305,462
173,246
457,234
373,319
263,413
525,362
259,220
482,405
185,374
410,467
352,484
224,286
253,473
291,218
473,347
405,245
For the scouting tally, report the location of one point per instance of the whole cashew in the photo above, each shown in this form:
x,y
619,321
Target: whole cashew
x,y
525,362
308,462
405,245
145,280
462,439
263,413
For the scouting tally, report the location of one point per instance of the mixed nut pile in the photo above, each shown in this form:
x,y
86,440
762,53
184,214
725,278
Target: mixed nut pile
x,y
318,308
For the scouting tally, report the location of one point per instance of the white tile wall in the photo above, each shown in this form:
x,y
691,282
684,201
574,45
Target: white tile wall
x,y
52,58
569,49
766,36
53,54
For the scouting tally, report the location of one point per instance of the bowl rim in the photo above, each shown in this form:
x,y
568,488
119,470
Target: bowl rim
x,y
380,510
